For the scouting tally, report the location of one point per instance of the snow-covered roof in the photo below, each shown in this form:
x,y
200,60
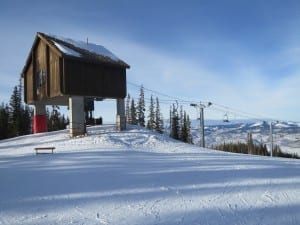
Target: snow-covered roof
x,y
84,50
67,50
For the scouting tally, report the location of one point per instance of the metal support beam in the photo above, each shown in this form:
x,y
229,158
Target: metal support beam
x,y
271,139
202,143
201,118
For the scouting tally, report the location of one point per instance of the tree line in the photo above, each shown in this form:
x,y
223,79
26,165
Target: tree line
x,y
16,120
180,125
16,116
254,149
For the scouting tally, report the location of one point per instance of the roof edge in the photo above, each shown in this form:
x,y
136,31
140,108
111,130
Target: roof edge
x,y
83,51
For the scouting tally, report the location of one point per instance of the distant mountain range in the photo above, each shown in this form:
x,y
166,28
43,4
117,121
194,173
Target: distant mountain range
x,y
285,134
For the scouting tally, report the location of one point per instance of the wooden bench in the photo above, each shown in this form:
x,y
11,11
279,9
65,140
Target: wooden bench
x,y
44,150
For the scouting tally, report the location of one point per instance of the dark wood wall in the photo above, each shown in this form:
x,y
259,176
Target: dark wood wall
x,y
88,79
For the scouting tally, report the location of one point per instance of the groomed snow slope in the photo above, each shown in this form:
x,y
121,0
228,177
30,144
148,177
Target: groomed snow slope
x,y
139,177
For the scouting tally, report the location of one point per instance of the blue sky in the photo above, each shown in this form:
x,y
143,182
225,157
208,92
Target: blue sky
x,y
243,54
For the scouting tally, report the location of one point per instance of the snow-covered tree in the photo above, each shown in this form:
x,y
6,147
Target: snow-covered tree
x,y
189,131
159,124
181,119
185,134
151,115
127,109
141,108
175,128
133,114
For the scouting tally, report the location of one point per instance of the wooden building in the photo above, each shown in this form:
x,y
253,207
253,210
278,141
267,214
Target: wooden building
x,y
61,71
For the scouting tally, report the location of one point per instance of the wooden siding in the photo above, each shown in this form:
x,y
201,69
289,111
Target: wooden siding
x,y
54,75
28,83
41,71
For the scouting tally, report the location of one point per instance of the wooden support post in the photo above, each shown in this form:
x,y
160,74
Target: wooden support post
x,y
77,121
121,118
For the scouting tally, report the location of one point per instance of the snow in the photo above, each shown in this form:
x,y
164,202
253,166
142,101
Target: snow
x,y
93,48
258,124
281,125
67,50
140,177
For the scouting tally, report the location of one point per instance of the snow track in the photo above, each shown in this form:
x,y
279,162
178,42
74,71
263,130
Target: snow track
x,y
139,177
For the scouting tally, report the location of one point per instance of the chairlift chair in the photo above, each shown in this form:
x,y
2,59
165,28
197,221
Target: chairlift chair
x,y
225,118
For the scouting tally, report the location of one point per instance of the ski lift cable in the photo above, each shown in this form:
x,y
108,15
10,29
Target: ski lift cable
x,y
247,114
215,106
229,112
173,98
182,101
244,114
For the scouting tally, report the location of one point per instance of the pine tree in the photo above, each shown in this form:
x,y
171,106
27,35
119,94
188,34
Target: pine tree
x,y
15,114
151,116
181,120
184,129
141,108
27,113
175,128
127,110
189,130
159,123
4,116
186,135
133,114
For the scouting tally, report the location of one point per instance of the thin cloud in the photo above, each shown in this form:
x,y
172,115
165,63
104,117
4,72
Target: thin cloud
x,y
244,87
